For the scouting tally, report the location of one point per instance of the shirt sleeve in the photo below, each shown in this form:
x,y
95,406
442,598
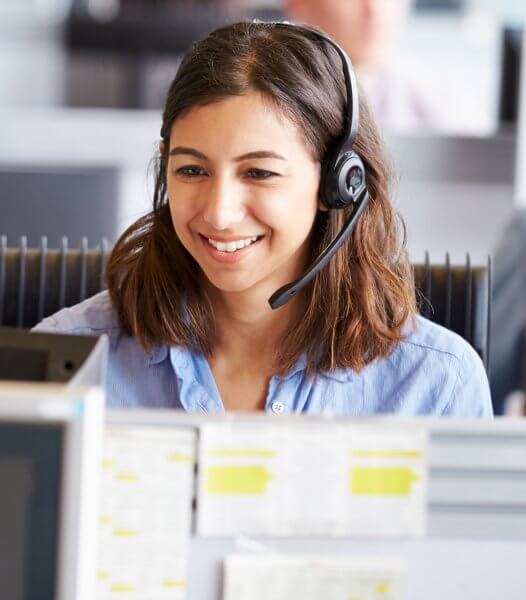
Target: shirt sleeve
x,y
47,325
93,316
63,324
471,397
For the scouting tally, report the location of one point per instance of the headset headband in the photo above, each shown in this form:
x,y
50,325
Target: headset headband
x,y
353,111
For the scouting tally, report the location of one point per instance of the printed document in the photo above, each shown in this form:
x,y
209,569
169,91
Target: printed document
x,y
146,512
282,577
311,479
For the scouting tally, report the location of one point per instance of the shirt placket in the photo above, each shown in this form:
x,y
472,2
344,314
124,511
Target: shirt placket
x,y
273,403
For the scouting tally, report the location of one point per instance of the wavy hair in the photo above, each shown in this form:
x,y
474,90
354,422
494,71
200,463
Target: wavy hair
x,y
356,309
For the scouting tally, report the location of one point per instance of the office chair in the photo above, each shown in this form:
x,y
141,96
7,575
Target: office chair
x,y
459,297
36,282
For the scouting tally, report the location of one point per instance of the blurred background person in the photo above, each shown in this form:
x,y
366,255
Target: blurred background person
x,y
401,97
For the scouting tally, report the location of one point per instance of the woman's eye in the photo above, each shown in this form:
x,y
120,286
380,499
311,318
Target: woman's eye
x,y
190,171
260,174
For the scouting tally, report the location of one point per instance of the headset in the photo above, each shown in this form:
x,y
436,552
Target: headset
x,y
343,179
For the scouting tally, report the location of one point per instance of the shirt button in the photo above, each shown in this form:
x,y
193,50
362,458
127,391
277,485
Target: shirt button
x,y
277,407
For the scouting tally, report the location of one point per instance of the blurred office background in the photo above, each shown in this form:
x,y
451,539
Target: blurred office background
x,y
82,83
121,53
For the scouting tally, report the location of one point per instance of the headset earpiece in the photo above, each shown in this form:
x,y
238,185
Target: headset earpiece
x,y
342,181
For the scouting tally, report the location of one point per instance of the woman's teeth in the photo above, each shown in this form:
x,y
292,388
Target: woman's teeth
x,y
232,246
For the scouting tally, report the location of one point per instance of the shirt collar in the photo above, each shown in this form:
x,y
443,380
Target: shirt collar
x,y
159,353
340,375
300,365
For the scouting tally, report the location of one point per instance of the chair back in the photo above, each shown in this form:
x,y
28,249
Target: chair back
x,y
37,282
459,298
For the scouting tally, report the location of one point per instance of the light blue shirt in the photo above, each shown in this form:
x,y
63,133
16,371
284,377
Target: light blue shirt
x,y
432,372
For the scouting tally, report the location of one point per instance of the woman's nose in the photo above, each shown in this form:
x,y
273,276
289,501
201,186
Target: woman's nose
x,y
224,204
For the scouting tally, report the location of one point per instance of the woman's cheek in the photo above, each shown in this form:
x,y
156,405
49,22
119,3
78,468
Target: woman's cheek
x,y
183,210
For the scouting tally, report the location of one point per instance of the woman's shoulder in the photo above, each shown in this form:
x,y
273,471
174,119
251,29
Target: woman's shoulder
x,y
424,336
93,316
446,366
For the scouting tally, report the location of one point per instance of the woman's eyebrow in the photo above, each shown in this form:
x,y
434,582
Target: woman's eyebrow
x,y
185,150
260,154
249,155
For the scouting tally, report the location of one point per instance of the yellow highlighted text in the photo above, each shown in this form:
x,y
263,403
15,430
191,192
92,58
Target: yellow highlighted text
x,y
122,532
127,477
237,480
382,587
173,583
122,588
387,454
104,519
177,457
382,481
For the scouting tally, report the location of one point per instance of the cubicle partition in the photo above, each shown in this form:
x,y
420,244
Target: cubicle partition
x,y
454,193
50,444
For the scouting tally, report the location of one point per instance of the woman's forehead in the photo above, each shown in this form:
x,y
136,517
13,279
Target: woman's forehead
x,y
235,122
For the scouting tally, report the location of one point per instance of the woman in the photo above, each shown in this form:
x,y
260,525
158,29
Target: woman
x,y
237,214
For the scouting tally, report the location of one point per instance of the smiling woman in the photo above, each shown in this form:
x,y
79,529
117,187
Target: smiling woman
x,y
242,199
263,173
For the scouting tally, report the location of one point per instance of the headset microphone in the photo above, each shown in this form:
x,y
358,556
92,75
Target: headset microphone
x,y
286,293
342,182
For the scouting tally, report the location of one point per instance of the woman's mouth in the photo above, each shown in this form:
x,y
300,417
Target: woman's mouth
x,y
232,246
230,250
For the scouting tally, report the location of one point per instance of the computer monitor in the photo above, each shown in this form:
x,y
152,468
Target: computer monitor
x,y
50,448
28,356
55,200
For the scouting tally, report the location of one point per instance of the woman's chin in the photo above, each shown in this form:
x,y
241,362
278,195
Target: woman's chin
x,y
232,285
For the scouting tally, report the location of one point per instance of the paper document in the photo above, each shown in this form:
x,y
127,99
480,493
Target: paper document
x,y
388,480
311,479
282,577
146,512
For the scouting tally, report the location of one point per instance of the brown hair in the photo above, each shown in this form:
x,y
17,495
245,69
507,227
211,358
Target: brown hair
x,y
356,308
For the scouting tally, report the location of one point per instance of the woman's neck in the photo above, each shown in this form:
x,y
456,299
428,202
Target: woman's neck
x,y
247,328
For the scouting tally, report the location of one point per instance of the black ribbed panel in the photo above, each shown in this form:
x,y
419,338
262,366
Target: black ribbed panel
x,y
459,298
36,282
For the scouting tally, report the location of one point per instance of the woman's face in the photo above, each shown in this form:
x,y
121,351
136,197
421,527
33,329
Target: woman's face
x,y
242,189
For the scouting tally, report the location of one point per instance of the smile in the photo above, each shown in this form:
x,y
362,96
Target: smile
x,y
230,251
232,246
